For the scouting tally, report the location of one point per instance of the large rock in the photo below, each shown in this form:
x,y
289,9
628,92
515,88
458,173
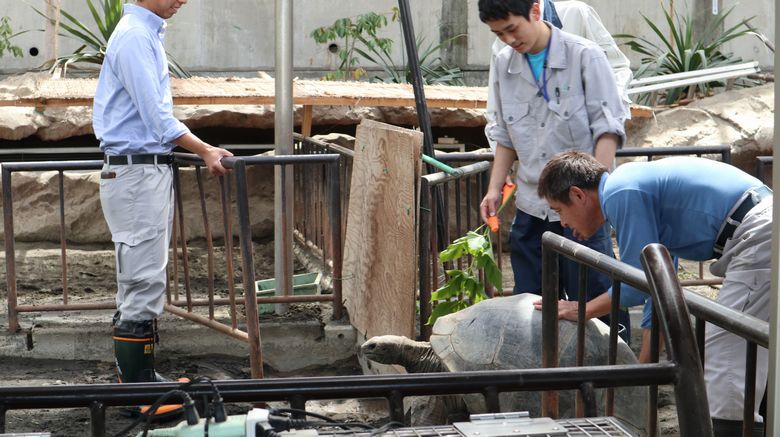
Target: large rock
x,y
743,118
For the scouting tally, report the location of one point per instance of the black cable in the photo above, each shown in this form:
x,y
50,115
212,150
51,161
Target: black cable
x,y
296,410
386,427
183,386
188,405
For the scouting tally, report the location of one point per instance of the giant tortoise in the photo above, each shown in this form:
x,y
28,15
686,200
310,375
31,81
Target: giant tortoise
x,y
506,333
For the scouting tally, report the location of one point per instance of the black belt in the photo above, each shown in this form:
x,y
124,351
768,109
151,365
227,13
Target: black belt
x,y
751,198
138,159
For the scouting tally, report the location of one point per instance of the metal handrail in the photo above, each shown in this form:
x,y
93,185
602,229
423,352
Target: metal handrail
x,y
239,165
672,313
753,330
297,391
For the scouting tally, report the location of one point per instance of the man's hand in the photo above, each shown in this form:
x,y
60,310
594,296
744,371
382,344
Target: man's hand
x,y
490,204
567,310
212,156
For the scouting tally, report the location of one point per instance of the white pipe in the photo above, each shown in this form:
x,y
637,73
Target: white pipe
x,y
687,74
690,81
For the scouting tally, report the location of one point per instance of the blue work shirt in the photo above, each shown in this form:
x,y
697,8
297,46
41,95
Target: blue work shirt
x,y
679,202
133,107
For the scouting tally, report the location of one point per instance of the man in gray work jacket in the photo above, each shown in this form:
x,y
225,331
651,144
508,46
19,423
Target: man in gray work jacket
x,y
554,91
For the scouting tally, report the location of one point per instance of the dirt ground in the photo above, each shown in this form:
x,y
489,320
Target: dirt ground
x,y
91,278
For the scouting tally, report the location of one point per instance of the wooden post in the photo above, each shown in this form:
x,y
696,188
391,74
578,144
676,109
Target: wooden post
x,y
307,117
52,29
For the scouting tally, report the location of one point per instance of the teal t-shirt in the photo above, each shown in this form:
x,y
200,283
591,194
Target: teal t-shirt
x,y
536,61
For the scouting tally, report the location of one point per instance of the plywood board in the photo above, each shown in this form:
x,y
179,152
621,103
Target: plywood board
x,y
380,268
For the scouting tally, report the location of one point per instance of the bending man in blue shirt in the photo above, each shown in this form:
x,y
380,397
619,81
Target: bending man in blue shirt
x,y
133,119
699,209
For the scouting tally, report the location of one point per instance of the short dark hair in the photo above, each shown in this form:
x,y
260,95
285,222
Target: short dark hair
x,y
566,170
490,10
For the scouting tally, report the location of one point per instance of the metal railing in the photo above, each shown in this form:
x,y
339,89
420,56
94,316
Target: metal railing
x,y
467,188
297,391
554,246
683,371
327,193
762,162
753,330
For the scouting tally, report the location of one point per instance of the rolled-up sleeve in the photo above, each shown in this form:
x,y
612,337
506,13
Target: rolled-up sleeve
x,y
604,105
136,66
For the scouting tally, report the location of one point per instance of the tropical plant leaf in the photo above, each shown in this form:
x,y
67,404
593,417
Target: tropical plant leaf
x,y
444,308
105,19
682,50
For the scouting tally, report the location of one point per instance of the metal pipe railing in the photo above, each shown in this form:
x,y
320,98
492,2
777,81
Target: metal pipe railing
x,y
672,313
753,330
296,391
330,198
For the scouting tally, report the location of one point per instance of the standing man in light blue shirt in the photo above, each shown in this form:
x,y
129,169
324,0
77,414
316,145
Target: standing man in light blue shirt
x,y
133,119
699,209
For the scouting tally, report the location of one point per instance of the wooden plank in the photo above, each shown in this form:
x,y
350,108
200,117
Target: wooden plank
x,y
239,91
379,287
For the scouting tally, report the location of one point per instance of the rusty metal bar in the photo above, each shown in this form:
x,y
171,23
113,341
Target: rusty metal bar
x,y
697,282
762,162
700,331
209,242
63,244
690,392
109,305
10,251
613,342
66,307
189,315
424,261
227,221
335,238
749,406
549,323
652,420
183,235
97,419
582,297
175,257
248,271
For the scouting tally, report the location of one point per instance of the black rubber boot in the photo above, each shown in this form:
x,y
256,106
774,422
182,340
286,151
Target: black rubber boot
x,y
134,354
134,350
733,428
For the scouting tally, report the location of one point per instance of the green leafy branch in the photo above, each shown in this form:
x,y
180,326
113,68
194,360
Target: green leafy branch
x,y
464,288
464,285
93,44
6,33
361,41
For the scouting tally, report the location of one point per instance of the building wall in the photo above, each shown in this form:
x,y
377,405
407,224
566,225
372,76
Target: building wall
x,y
237,36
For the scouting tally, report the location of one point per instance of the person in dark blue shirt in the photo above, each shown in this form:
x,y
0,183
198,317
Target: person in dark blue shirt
x,y
699,209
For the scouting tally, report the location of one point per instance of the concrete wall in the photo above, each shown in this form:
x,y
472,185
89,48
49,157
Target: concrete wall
x,y
238,35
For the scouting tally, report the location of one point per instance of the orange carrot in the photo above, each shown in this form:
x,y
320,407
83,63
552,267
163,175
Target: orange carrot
x,y
493,223
506,192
